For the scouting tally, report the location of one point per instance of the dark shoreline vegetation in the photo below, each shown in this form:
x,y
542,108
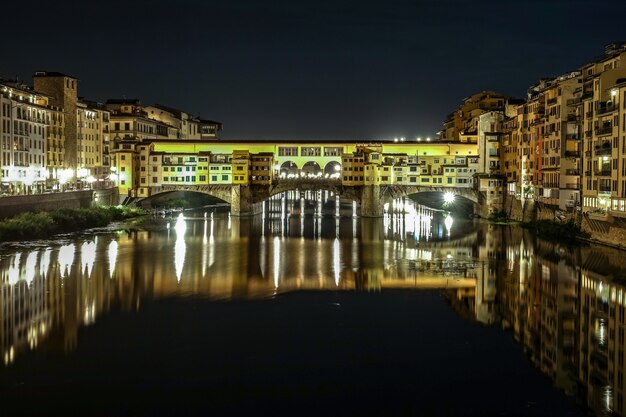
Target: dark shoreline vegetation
x,y
31,225
566,231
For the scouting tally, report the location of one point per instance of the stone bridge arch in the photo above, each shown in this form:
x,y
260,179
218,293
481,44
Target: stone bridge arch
x,y
246,200
221,192
398,191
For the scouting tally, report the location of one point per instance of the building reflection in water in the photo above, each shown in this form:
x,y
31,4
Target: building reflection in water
x,y
564,305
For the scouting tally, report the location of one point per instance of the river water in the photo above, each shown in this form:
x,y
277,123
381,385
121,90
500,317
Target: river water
x,y
310,309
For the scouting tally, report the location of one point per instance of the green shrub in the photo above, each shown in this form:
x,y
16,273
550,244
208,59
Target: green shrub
x,y
31,225
27,226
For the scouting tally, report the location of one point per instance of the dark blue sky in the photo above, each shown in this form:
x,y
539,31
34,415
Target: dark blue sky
x,y
308,69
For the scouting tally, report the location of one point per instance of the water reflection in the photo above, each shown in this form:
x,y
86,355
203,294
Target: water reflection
x,y
564,305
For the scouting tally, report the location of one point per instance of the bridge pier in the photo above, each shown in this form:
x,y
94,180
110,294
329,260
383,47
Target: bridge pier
x,y
242,202
371,201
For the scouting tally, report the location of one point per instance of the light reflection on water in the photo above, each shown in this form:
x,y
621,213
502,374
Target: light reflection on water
x,y
564,305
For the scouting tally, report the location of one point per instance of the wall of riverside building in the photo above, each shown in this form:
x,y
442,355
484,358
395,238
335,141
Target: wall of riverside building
x,y
13,205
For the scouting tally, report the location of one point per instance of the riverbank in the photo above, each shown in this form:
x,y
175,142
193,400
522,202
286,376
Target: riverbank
x,y
31,225
563,231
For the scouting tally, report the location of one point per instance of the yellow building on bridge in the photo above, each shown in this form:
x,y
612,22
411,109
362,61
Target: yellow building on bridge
x,y
142,166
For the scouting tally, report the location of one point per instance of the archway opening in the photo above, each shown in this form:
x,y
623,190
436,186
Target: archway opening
x,y
332,170
311,170
289,170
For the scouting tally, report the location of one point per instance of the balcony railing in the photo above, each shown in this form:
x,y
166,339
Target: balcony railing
x,y
572,172
603,173
604,188
572,118
588,133
602,151
573,154
551,101
573,101
605,130
589,113
606,109
572,136
572,186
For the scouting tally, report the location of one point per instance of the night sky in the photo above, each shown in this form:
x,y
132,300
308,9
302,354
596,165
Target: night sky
x,y
321,69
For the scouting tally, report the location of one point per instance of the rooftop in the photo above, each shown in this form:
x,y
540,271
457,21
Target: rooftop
x,y
52,74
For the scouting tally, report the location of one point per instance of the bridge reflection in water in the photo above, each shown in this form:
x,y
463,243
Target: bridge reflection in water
x,y
564,305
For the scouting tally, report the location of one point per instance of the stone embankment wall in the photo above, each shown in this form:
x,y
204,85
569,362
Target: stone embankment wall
x,y
13,205
612,233
608,233
518,210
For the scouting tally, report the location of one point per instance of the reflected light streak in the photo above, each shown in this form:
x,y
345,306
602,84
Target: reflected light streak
x,y
88,257
31,266
14,269
276,254
180,246
448,222
45,262
336,261
66,258
113,247
180,226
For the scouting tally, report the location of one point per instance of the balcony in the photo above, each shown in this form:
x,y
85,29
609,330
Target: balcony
x,y
604,188
572,136
573,118
494,154
588,134
606,109
587,95
603,172
589,114
572,186
604,130
572,154
574,101
551,101
572,172
603,151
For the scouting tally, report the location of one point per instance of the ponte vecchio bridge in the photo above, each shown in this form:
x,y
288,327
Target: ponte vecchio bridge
x,y
245,174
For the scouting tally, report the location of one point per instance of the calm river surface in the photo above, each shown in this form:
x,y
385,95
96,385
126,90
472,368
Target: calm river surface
x,y
310,310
